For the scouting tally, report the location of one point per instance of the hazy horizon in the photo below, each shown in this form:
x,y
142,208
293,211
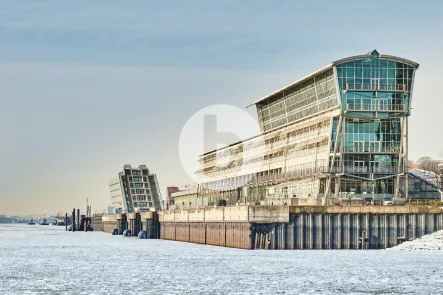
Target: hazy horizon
x,y
87,88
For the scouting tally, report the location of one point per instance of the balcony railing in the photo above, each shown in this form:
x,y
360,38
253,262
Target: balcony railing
x,y
371,149
375,86
307,172
377,106
367,170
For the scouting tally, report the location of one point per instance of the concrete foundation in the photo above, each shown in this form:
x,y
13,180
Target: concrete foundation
x,y
294,227
284,227
110,222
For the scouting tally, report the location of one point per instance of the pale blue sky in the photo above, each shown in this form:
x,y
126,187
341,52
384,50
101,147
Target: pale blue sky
x,y
87,86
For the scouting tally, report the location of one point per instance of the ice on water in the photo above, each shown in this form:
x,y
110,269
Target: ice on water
x,y
48,260
431,242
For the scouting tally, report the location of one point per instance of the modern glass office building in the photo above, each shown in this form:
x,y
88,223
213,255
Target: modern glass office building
x,y
338,133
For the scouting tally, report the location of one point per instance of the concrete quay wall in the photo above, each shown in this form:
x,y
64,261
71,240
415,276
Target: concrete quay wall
x,y
110,222
226,234
300,227
97,223
285,227
345,230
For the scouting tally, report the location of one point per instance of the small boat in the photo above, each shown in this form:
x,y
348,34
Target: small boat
x,y
31,222
44,222
60,222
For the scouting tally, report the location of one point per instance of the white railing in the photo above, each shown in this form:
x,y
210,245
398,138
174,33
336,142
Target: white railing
x,y
378,106
376,86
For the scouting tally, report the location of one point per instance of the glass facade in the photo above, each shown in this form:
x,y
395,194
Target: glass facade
x,y
375,96
419,189
367,140
375,87
381,136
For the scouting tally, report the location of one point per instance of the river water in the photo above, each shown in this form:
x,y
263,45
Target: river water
x,y
47,260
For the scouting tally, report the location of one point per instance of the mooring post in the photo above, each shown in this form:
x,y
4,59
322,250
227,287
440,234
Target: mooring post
x,y
78,218
73,220
251,236
66,221
148,228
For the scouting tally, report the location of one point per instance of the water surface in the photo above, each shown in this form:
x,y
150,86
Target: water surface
x,y
47,260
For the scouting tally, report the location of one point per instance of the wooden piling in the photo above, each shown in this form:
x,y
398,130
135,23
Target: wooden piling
x,y
78,218
73,220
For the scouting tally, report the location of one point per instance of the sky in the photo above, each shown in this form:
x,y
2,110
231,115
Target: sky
x,y
88,86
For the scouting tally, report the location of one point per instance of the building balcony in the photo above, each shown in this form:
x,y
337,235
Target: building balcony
x,y
373,148
229,184
377,105
365,170
263,178
375,86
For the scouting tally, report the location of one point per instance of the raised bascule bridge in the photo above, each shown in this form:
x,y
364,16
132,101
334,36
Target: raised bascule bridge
x,y
333,148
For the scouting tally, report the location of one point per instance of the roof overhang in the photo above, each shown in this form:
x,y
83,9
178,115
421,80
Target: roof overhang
x,y
324,69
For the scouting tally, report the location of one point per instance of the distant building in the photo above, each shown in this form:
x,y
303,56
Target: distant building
x,y
440,168
112,209
135,189
170,198
187,198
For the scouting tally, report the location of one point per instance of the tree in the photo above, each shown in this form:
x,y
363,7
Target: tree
x,y
428,164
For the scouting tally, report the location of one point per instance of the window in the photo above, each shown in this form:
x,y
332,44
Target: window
x,y
150,204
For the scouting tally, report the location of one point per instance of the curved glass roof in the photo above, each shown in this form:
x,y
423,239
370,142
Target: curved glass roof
x,y
375,54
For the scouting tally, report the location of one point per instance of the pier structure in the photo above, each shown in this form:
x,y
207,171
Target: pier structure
x,y
135,222
300,227
284,227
